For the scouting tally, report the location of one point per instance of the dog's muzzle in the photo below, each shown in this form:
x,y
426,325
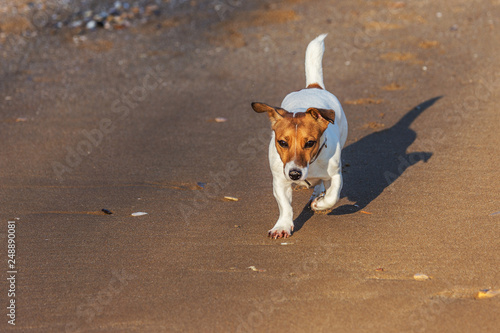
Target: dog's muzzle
x,y
295,174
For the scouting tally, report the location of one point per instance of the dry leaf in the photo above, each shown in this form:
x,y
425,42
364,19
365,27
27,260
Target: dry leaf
x,y
427,44
421,277
253,268
360,101
393,86
487,293
399,56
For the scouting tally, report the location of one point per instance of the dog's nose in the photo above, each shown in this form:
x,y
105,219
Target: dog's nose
x,y
295,174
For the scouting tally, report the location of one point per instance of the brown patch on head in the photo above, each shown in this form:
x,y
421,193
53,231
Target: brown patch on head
x,y
297,135
314,85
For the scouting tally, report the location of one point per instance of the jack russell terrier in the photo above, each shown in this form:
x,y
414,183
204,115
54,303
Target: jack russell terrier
x,y
309,132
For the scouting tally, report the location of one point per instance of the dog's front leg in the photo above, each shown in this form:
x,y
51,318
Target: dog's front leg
x,y
333,187
283,193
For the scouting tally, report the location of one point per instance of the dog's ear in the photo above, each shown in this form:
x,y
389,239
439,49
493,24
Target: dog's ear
x,y
324,115
275,114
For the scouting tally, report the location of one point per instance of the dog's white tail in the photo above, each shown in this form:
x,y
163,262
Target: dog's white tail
x,y
314,57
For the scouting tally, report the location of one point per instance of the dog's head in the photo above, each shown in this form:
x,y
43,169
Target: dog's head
x,y
297,136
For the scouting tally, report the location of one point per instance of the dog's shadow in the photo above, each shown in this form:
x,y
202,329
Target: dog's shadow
x,y
374,162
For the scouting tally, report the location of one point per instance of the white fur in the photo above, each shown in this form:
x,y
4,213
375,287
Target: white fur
x,y
326,172
314,56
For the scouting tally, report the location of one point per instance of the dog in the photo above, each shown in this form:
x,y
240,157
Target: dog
x,y
309,131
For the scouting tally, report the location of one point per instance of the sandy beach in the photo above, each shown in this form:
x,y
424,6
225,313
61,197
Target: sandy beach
x,y
148,111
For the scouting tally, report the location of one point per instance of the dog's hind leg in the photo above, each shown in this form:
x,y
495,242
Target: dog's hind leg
x,y
318,189
332,195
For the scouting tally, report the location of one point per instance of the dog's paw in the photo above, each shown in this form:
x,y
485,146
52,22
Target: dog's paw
x,y
280,232
320,204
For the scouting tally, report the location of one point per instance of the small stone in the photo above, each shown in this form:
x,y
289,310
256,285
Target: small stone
x,y
114,12
91,25
100,17
152,9
87,14
139,213
76,24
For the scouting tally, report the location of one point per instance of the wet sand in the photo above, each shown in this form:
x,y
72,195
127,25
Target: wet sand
x,y
124,120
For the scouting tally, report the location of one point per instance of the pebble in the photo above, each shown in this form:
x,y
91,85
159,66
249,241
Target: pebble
x,y
76,24
87,14
139,213
91,25
118,15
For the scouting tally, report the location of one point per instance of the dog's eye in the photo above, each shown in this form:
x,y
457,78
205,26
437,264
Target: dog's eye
x,y
310,144
283,143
